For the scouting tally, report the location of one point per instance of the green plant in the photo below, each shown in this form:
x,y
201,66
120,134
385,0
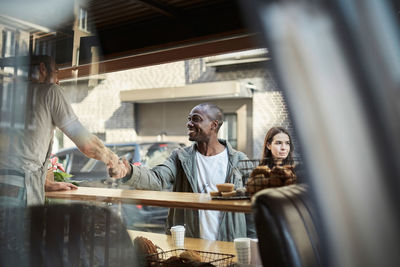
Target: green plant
x,y
59,172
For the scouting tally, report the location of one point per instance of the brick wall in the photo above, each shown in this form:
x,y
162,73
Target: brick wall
x,y
269,110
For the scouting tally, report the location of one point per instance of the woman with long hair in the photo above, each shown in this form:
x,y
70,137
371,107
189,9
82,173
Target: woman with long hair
x,y
278,148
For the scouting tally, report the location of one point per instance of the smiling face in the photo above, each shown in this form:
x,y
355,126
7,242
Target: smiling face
x,y
200,126
279,146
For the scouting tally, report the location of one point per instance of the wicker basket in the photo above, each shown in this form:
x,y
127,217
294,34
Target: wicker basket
x,y
257,178
216,259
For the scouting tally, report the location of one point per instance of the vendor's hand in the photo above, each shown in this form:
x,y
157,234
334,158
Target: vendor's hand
x,y
124,168
115,167
114,161
118,170
58,186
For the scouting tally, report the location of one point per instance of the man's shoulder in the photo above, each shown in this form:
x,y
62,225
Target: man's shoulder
x,y
50,90
182,152
55,88
185,149
233,152
241,155
45,86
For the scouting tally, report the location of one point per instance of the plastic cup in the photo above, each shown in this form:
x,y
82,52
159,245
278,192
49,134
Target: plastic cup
x,y
255,255
178,235
242,246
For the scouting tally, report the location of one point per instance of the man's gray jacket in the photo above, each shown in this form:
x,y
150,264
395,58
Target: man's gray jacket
x,y
179,171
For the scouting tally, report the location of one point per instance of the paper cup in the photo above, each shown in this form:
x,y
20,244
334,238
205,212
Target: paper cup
x,y
242,246
255,255
178,235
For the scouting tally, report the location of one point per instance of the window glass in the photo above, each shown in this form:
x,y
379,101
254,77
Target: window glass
x,y
98,48
79,161
83,19
156,153
228,130
124,151
8,43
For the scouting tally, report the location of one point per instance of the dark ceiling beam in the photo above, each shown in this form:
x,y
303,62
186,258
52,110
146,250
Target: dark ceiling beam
x,y
166,55
159,7
112,20
109,14
200,22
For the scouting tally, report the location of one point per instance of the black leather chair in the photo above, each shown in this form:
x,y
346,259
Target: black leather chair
x,y
64,235
286,227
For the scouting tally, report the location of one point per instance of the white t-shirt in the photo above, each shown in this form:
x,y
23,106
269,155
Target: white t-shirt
x,y
211,170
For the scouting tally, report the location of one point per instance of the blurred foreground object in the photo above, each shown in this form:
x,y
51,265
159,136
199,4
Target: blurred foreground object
x,y
339,66
64,235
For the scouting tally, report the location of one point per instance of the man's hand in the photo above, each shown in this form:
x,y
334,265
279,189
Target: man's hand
x,y
123,169
115,167
58,186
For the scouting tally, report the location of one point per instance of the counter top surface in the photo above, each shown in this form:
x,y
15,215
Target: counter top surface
x,y
152,198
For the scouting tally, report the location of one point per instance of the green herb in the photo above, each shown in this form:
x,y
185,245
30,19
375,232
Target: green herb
x,y
63,177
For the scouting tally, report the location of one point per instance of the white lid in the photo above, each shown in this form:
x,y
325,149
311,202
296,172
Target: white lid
x,y
177,228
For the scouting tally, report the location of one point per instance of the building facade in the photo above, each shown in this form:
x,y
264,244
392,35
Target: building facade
x,y
152,103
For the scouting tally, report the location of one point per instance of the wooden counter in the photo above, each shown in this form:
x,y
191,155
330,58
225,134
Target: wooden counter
x,y
152,198
166,243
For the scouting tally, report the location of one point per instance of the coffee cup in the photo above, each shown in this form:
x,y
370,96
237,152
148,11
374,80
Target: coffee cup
x,y
255,255
178,235
242,246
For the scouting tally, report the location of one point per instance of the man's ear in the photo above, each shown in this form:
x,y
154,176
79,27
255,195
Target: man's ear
x,y
42,72
214,125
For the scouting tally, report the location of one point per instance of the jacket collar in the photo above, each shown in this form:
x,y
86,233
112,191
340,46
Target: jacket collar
x,y
189,151
188,161
187,156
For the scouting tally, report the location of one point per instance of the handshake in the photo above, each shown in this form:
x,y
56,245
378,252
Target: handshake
x,y
119,168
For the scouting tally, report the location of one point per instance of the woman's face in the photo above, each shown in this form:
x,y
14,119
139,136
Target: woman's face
x,y
280,146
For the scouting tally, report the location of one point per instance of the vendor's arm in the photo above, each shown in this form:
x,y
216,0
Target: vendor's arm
x,y
65,119
93,147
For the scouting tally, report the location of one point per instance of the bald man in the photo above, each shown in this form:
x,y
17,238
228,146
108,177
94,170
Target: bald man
x,y
198,168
